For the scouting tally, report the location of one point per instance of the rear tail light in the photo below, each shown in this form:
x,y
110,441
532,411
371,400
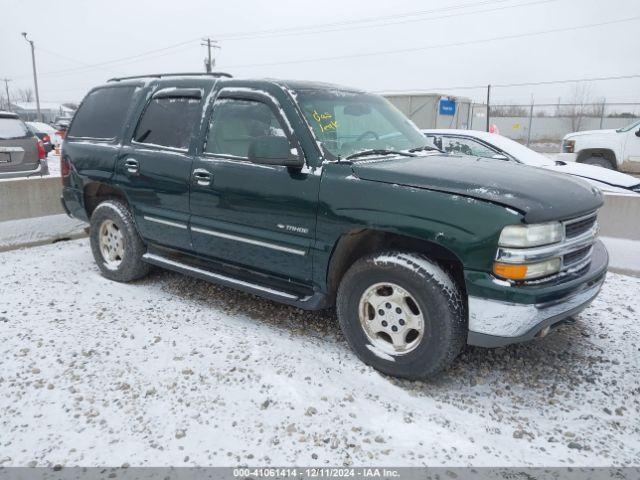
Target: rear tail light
x,y
568,146
65,166
42,154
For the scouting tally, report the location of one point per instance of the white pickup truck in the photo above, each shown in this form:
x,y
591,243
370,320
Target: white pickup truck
x,y
615,149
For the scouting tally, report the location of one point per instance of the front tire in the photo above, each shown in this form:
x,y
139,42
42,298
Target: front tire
x,y
402,314
115,243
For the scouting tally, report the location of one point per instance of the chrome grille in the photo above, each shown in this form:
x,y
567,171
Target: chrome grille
x,y
578,226
576,256
580,234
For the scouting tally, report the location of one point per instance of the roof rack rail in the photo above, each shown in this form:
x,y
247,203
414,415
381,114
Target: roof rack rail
x,y
160,75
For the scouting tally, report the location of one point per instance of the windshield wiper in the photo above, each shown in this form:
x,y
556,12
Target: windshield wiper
x,y
425,147
378,151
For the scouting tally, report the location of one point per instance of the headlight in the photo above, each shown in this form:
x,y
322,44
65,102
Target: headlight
x,y
523,236
568,146
527,271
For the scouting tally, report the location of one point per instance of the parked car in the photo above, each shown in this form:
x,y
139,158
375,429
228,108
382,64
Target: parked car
x,y
614,149
21,152
316,195
46,133
491,145
61,127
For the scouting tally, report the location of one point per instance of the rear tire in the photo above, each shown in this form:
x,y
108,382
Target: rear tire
x,y
384,299
115,243
599,162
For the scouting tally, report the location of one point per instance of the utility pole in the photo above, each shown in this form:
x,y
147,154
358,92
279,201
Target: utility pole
x,y
530,122
488,103
602,109
35,75
6,86
210,61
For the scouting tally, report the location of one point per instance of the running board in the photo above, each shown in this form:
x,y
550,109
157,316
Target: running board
x,y
313,302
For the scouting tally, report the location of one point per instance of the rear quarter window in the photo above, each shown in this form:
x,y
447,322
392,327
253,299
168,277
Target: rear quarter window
x,y
12,128
102,113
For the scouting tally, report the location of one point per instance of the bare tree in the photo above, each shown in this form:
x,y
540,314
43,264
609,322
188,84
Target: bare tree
x,y
581,106
24,94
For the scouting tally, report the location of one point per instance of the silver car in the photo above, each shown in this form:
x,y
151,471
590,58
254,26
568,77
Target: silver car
x,y
21,152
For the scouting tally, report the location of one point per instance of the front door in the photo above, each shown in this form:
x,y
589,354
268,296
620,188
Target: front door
x,y
248,214
632,149
154,168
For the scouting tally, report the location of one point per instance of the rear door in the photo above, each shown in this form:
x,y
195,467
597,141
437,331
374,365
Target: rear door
x,y
154,165
259,216
93,140
18,147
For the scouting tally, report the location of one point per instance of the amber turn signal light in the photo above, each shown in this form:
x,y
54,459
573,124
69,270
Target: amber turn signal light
x,y
512,272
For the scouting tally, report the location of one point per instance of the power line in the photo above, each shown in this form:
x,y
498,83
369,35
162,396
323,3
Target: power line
x,y
363,20
292,31
118,60
522,84
431,47
314,31
119,64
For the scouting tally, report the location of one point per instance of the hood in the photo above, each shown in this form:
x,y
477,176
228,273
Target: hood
x,y
590,132
592,172
540,195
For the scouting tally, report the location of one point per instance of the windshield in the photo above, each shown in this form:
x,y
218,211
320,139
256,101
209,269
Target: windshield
x,y
629,127
348,122
12,128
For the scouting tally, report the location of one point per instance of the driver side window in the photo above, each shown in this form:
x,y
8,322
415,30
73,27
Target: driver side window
x,y
237,123
466,146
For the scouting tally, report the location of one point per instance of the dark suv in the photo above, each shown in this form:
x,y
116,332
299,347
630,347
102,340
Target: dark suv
x,y
316,195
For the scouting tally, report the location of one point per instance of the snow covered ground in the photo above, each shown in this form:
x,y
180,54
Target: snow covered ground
x,y
39,230
175,371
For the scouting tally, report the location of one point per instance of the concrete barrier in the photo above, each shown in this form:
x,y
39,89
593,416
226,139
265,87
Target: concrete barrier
x,y
620,217
30,197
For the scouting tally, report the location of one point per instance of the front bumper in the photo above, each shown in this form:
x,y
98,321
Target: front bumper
x,y
495,322
41,170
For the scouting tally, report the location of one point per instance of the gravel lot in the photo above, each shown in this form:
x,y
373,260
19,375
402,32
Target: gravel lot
x,y
175,371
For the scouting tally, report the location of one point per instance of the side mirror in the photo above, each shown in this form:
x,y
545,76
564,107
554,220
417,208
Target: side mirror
x,y
499,156
272,150
637,133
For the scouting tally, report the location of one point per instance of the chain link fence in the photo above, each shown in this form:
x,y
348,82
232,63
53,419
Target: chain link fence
x,y
548,123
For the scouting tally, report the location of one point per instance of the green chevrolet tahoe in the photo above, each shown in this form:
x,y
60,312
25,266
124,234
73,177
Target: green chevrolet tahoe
x,y
317,196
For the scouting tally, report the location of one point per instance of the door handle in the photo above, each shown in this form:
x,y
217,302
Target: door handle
x,y
132,165
202,177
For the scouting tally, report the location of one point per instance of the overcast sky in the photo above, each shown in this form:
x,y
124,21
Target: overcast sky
x,y
300,39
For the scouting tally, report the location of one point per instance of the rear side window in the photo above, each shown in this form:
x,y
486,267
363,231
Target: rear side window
x,y
102,113
168,122
12,128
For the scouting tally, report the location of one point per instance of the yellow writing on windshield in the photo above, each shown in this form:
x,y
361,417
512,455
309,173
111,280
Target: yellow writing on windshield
x,y
324,121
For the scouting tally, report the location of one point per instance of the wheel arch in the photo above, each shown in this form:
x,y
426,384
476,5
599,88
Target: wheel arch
x,y
356,244
95,193
605,153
